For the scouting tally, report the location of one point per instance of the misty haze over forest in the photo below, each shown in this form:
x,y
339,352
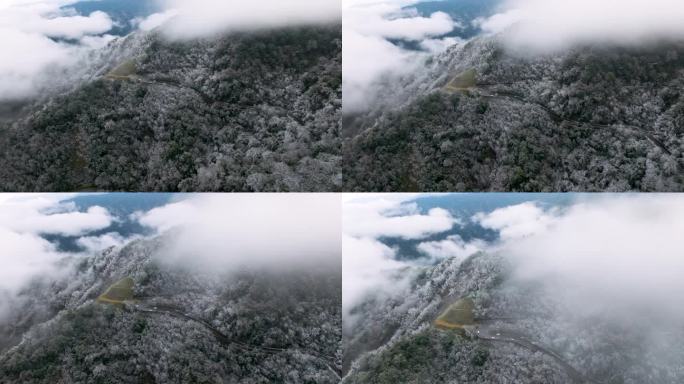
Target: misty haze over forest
x,y
170,288
594,279
513,95
170,96
341,191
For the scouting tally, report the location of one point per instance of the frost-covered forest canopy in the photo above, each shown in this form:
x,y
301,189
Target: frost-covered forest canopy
x,y
586,102
172,108
245,309
565,276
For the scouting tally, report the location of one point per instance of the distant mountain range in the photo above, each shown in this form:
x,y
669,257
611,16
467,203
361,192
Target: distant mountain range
x,y
463,12
463,207
119,205
122,12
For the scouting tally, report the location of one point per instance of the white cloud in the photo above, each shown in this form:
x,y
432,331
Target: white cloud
x,y
45,214
167,217
616,259
102,242
499,22
440,45
24,254
616,256
27,32
68,223
370,268
215,231
196,18
517,221
558,24
386,217
451,247
30,55
36,57
96,42
155,20
370,59
252,230
67,27
412,27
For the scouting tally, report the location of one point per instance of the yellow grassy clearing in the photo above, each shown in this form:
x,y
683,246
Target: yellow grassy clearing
x,y
463,81
118,293
457,316
123,72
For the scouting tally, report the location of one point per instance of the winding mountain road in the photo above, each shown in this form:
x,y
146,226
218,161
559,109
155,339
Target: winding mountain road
x,y
223,338
480,89
496,334
164,82
555,117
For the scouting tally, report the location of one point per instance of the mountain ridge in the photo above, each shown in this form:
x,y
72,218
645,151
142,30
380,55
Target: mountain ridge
x,y
590,119
256,111
81,340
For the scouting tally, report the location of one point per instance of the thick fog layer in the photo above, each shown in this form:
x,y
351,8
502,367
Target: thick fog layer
x,y
43,39
619,257
33,42
196,18
616,257
213,232
371,59
559,24
25,255
228,231
371,269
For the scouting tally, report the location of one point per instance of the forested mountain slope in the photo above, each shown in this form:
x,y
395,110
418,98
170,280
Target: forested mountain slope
x,y
396,340
256,111
183,325
482,118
